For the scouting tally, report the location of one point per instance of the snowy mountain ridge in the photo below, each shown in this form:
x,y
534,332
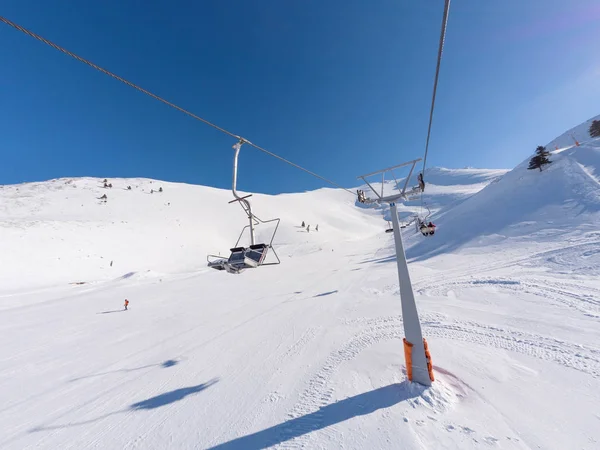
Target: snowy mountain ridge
x,y
79,226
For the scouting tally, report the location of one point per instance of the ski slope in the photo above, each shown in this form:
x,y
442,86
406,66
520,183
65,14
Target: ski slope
x,y
580,133
306,354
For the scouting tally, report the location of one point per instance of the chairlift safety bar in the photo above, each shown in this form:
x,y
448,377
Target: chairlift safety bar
x,y
241,198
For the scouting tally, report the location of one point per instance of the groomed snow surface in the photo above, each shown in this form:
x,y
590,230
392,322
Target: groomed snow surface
x,y
306,354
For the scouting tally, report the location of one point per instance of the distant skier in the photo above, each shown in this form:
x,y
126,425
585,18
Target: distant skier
x,y
308,228
126,304
317,227
303,224
160,189
128,188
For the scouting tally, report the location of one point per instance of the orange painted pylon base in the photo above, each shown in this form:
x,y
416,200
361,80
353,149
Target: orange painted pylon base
x,y
408,358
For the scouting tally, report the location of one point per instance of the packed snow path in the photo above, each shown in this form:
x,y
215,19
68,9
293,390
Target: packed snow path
x,y
305,354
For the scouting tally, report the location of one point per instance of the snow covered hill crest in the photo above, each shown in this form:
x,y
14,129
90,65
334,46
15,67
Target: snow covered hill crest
x,y
528,207
77,237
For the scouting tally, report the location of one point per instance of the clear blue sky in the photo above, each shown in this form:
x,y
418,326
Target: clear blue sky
x,y
340,86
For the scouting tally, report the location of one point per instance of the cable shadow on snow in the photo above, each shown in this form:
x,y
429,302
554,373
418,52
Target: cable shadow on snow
x,y
152,403
385,259
359,405
112,311
164,364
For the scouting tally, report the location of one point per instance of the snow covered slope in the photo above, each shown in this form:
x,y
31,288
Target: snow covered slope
x,y
307,354
528,208
446,188
72,236
580,133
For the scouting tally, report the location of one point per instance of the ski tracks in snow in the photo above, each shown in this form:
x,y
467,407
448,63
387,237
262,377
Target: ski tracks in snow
x,y
319,391
583,299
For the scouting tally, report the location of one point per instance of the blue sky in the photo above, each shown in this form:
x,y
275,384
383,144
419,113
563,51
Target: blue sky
x,y
340,87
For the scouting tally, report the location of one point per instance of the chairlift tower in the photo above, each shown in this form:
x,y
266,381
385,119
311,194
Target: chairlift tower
x,y
418,361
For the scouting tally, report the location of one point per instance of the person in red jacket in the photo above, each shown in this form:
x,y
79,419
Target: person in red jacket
x,y
126,304
431,228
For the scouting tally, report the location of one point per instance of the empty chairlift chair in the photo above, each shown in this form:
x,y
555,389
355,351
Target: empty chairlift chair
x,y
247,258
255,255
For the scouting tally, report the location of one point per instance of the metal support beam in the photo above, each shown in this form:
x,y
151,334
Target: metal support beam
x,y
390,168
408,178
372,188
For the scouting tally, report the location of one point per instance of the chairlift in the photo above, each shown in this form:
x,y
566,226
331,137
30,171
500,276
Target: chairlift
x,y
407,224
426,229
403,225
254,255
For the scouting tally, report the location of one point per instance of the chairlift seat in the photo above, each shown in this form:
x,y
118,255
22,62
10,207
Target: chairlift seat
x,y
247,258
237,254
257,253
218,264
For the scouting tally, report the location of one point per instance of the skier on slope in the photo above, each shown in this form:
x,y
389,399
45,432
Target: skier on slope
x,y
126,304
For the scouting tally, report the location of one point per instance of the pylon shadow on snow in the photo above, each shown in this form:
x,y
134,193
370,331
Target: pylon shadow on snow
x,y
164,364
329,415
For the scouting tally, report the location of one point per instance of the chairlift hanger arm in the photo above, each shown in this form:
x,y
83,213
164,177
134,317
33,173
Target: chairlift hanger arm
x,y
408,177
243,200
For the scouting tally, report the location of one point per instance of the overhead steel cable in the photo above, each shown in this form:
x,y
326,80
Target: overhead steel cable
x,y
166,102
437,75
